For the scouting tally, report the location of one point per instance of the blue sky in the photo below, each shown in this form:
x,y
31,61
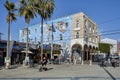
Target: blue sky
x,y
106,13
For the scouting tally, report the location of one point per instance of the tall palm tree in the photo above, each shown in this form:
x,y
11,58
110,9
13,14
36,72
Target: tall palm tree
x,y
26,10
45,9
11,16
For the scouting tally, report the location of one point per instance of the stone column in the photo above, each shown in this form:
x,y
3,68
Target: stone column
x,y
87,55
90,57
82,57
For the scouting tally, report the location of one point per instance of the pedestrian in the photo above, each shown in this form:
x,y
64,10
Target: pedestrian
x,y
113,62
109,62
43,64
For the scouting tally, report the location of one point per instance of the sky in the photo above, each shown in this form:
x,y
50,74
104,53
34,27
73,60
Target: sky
x,y
106,13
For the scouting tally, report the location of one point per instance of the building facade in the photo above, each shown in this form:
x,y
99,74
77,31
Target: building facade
x,y
113,49
77,34
118,45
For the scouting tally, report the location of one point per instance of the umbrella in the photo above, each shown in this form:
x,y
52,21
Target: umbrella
x,y
29,52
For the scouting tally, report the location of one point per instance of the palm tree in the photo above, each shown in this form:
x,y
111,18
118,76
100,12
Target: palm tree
x,y
10,7
45,9
26,10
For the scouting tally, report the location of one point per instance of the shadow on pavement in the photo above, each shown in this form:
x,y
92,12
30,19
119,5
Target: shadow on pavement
x,y
13,67
113,78
49,69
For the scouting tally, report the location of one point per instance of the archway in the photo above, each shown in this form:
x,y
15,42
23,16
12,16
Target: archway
x,y
86,53
77,52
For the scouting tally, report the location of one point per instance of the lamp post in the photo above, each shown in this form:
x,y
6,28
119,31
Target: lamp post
x,y
52,30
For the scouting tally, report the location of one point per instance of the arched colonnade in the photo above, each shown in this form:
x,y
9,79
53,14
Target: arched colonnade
x,y
84,53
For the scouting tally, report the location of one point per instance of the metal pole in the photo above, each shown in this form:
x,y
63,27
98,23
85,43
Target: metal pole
x,y
51,44
41,39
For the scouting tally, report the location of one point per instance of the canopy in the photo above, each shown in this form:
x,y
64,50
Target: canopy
x,y
29,52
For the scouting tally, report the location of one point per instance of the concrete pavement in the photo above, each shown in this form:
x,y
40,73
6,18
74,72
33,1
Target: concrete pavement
x,y
62,72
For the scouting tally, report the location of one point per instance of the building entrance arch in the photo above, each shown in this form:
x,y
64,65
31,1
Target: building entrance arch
x,y
86,53
77,52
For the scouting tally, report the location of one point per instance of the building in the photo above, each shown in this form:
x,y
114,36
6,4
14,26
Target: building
x,y
15,51
118,49
77,34
113,49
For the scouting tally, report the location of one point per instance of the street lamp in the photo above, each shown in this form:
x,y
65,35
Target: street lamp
x,y
52,29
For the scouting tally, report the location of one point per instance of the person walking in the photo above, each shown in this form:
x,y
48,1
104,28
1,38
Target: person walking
x,y
43,65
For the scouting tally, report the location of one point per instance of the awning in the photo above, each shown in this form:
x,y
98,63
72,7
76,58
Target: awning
x,y
29,52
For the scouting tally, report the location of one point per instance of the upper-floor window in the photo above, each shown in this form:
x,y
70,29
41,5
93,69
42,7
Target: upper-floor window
x,y
35,40
77,34
22,33
35,30
77,23
86,38
28,31
90,39
85,22
90,29
93,30
22,40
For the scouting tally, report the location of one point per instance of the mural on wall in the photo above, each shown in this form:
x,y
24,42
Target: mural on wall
x,y
61,26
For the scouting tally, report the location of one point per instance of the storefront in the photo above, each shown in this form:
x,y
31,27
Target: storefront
x,y
1,58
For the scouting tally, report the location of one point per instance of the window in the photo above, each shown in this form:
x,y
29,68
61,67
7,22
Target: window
x,y
23,32
89,39
93,40
90,29
86,38
28,31
93,30
22,40
85,23
77,23
77,34
35,39
35,30
60,36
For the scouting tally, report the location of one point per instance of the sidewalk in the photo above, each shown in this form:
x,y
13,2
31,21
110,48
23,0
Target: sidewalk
x,y
114,72
61,72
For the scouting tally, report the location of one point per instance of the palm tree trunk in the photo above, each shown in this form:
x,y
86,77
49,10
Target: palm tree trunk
x,y
8,46
41,39
26,41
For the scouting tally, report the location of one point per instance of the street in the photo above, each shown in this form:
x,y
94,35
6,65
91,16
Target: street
x,y
62,72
